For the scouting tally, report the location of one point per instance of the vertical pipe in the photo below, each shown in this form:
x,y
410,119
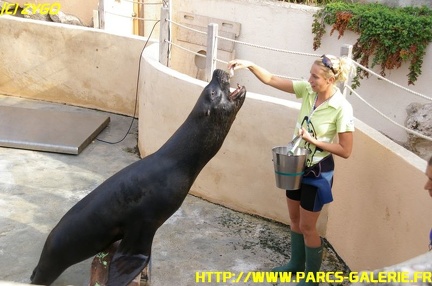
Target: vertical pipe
x,y
346,50
101,10
164,35
96,20
212,34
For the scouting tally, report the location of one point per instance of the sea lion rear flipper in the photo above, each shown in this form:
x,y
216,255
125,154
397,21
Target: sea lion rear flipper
x,y
124,268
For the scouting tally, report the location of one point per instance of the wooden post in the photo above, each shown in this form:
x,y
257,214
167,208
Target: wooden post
x,y
141,14
212,33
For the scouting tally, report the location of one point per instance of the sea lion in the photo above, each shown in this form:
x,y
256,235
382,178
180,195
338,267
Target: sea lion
x,y
132,204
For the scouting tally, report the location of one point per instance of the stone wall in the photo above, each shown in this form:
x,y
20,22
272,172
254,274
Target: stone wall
x,y
419,118
83,10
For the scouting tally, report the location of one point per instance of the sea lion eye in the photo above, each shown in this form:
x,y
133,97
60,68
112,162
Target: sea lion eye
x,y
213,94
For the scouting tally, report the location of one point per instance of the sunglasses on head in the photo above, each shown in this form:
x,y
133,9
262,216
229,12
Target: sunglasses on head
x,y
327,63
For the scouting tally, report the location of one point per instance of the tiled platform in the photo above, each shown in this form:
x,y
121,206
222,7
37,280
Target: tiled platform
x,y
49,130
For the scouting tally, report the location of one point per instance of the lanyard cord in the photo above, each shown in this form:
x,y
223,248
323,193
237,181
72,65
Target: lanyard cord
x,y
430,239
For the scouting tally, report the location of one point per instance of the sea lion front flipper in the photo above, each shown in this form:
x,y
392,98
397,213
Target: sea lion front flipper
x,y
124,268
131,257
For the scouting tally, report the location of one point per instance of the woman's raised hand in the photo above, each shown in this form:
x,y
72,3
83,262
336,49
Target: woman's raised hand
x,y
239,64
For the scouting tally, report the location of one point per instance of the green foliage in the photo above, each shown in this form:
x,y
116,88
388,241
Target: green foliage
x,y
387,36
310,2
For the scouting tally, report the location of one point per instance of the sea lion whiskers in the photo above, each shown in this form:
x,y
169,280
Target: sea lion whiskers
x,y
238,91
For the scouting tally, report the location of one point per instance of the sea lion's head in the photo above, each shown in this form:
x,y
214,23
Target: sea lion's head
x,y
217,100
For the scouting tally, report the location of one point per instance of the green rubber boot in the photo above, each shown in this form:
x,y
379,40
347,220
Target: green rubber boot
x,y
313,264
297,260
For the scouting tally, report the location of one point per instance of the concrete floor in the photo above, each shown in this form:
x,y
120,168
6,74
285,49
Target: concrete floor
x,y
37,188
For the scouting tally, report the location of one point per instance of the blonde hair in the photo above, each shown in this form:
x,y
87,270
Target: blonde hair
x,y
342,66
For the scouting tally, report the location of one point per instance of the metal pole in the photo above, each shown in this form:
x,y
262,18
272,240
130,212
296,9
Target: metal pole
x,y
164,36
346,50
211,54
101,11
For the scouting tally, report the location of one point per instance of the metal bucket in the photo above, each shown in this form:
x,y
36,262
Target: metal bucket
x,y
289,168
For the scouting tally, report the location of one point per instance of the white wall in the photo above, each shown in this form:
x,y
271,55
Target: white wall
x,y
287,27
126,17
380,215
118,16
69,64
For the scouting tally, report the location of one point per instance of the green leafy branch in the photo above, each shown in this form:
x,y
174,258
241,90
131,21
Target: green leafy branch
x,y
388,36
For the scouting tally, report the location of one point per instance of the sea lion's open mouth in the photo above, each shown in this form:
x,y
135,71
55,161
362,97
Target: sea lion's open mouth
x,y
238,92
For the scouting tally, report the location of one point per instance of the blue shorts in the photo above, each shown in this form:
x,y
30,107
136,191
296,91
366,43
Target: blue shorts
x,y
315,189
313,194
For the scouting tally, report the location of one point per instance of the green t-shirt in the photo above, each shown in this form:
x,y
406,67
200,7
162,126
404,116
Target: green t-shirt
x,y
333,116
